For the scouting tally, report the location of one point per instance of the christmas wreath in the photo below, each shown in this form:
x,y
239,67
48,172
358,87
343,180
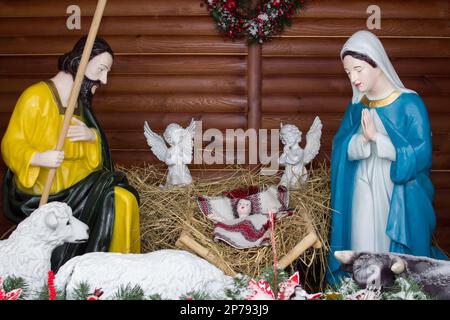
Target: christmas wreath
x,y
236,19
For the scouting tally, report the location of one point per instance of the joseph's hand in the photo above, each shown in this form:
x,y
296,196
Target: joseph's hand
x,y
80,132
48,159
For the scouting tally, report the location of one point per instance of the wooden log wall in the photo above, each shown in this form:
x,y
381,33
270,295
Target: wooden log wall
x,y
171,65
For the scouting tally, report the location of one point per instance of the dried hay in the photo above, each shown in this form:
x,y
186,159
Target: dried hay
x,y
165,213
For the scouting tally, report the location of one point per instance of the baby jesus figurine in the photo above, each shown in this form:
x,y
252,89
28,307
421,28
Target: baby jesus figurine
x,y
243,208
295,158
178,155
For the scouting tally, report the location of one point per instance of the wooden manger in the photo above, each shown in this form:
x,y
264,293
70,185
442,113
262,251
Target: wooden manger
x,y
171,219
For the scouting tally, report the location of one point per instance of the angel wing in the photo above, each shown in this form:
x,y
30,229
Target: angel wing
x,y
156,143
313,141
187,142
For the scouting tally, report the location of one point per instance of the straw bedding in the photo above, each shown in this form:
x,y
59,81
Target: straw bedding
x,y
166,213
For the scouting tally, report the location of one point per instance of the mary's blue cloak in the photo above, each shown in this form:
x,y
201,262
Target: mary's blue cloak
x,y
411,219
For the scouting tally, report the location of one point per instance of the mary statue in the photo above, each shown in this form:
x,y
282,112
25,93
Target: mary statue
x,y
381,192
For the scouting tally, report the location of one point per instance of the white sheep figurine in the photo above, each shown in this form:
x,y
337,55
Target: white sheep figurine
x,y
168,273
27,252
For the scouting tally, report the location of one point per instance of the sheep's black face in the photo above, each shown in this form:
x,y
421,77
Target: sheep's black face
x,y
373,271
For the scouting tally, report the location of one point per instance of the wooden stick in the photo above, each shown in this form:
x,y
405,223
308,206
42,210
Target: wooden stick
x,y
186,240
74,93
309,241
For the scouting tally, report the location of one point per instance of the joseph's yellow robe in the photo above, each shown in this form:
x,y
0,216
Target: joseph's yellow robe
x,y
34,127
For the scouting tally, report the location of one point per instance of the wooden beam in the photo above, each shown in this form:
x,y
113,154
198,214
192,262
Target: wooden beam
x,y
254,86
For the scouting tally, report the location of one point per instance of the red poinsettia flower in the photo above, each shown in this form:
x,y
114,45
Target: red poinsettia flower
x,y
230,5
276,3
261,290
96,296
12,295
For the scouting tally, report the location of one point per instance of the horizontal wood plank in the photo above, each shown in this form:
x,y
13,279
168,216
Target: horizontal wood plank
x,y
215,45
331,121
159,121
295,104
441,203
226,65
229,84
272,66
292,85
133,64
205,26
415,9
58,8
344,27
331,47
159,84
142,102
111,26
303,103
441,179
181,45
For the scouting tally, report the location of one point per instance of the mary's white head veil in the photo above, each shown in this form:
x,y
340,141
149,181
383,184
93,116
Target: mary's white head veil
x,y
367,43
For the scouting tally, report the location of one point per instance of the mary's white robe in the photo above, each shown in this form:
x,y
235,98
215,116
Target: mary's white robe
x,y
373,189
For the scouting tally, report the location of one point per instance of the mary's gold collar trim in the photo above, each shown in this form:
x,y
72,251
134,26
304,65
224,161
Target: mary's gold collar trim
x,y
382,102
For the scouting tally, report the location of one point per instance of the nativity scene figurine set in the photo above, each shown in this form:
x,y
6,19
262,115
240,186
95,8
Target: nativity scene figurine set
x,y
381,192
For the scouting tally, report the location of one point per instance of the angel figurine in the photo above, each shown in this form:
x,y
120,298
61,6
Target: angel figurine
x,y
295,158
178,155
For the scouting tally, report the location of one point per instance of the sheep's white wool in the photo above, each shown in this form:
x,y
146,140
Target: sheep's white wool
x,y
27,252
169,273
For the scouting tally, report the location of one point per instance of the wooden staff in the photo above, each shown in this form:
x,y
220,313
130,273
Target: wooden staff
x,y
186,241
75,92
311,240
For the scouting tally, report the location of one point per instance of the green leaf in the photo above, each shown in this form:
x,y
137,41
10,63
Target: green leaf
x,y
82,291
129,293
44,294
155,297
196,295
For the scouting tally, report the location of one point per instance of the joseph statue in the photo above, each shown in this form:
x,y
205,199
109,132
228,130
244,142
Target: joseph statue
x,y
85,177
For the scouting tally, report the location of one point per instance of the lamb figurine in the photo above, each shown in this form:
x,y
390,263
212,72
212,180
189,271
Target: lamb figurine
x,y
169,273
27,252
379,269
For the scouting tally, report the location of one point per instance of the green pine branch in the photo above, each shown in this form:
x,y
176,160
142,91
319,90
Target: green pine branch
x,y
196,295
129,293
83,291
239,287
44,294
13,283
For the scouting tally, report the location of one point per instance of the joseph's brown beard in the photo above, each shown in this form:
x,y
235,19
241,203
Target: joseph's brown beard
x,y
86,94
